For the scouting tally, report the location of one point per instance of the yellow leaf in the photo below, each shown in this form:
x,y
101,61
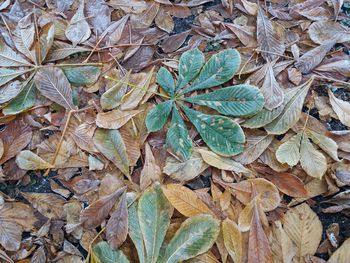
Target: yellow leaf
x,y
342,254
232,239
305,230
185,200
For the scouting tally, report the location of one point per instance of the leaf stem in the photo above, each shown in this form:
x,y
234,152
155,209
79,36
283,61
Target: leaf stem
x,y
136,87
320,76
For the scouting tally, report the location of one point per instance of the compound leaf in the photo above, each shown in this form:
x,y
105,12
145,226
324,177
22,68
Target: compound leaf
x,y
166,81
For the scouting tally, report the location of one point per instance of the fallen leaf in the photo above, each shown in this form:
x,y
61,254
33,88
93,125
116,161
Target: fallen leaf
x,y
78,29
114,119
185,200
341,255
282,247
269,40
54,85
28,160
232,239
272,91
151,171
259,250
321,32
117,226
341,108
95,213
305,230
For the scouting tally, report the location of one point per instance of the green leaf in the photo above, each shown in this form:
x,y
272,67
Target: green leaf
x,y
166,81
154,211
178,138
157,116
110,143
7,74
220,68
190,64
134,226
23,101
112,98
82,76
240,100
222,135
195,236
9,58
291,112
106,254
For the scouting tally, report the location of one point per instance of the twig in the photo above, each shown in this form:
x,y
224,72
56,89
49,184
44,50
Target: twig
x,y
273,53
320,76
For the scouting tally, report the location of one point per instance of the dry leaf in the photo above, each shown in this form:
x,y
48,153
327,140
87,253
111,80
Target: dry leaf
x,y
232,240
151,171
268,38
341,108
28,160
271,90
185,200
117,226
49,205
321,32
258,247
114,119
342,254
282,247
95,213
304,229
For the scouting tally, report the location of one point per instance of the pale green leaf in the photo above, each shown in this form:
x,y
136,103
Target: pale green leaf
x,y
166,81
81,76
222,163
289,151
312,161
220,68
112,98
190,64
240,100
195,236
178,139
110,143
7,74
157,117
154,212
134,226
28,160
291,112
23,101
222,135
265,116
324,142
106,254
9,58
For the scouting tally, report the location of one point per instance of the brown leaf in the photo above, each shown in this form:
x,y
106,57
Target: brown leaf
x,y
151,171
95,213
117,226
342,254
258,247
54,85
145,19
164,21
314,57
337,4
246,34
172,43
39,255
268,38
114,119
323,31
282,247
16,135
286,182
49,205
